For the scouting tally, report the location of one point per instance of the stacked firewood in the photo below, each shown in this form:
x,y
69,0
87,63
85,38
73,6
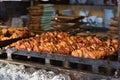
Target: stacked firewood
x,y
114,22
34,17
40,16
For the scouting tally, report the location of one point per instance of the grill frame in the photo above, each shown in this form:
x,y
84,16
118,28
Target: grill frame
x,y
95,64
74,74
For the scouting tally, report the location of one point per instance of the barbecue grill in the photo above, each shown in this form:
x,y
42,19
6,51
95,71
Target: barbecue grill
x,y
102,69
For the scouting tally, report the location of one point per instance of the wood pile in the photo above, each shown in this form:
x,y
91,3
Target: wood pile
x,y
40,17
114,22
34,17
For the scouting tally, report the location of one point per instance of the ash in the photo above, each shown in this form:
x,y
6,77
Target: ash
x,y
20,72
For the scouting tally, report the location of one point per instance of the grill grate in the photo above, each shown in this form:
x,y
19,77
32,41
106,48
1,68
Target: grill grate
x,y
91,65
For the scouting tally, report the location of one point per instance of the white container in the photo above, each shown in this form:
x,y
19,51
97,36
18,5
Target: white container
x,y
83,13
108,15
99,22
92,18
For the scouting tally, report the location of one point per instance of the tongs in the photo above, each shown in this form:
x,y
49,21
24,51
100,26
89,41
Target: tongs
x,y
76,19
67,19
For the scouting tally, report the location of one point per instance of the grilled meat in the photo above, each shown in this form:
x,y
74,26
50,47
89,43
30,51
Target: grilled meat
x,y
12,33
63,43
